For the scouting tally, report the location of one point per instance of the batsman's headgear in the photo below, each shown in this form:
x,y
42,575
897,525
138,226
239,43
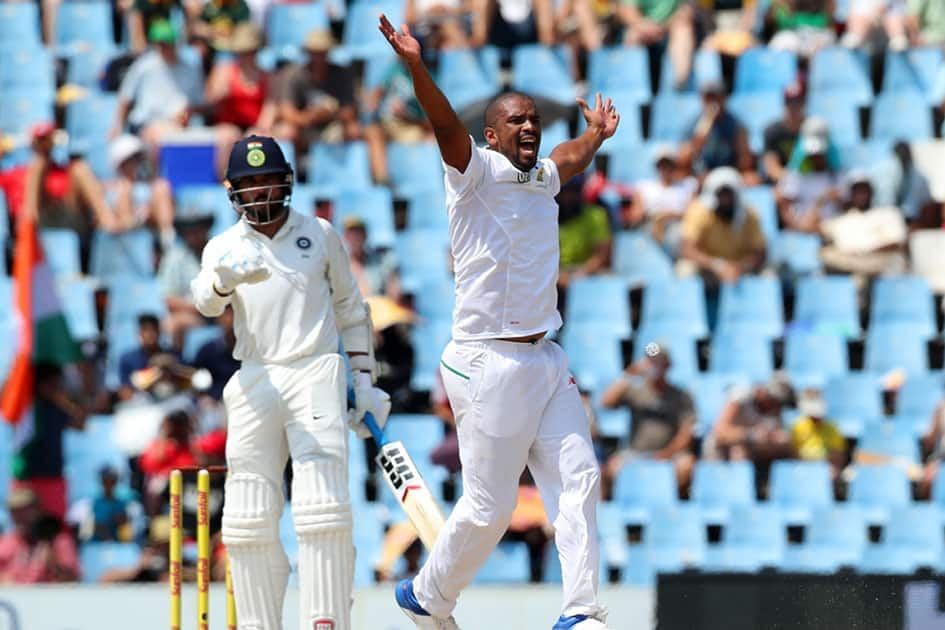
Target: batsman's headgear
x,y
258,155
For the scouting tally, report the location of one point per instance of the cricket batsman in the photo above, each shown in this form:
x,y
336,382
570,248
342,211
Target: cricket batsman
x,y
515,402
289,282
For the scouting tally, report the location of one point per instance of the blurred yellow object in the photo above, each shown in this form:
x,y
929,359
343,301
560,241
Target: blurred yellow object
x,y
385,312
732,43
70,93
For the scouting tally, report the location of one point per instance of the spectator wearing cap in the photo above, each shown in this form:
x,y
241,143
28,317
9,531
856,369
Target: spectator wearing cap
x,y
109,511
37,549
717,138
812,191
663,200
144,13
721,236
801,26
816,438
149,345
161,89
240,93
317,100
583,234
218,21
663,415
375,270
650,22
781,136
138,195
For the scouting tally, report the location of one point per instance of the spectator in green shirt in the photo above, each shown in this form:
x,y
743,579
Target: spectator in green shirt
x,y
217,20
649,22
584,235
926,22
802,26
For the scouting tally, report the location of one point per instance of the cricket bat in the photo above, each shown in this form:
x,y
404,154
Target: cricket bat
x,y
408,486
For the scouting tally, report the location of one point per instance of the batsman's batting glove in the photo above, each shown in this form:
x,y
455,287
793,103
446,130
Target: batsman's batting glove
x,y
235,269
367,399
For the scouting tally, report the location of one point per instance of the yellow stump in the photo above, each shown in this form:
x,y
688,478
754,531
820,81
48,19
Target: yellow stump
x,y
203,550
175,549
230,600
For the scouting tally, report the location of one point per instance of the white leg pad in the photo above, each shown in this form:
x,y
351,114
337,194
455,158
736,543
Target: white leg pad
x,y
260,569
322,517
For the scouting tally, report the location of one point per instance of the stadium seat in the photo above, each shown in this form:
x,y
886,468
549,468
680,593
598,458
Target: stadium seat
x,y
916,401
706,67
761,200
86,67
904,299
339,166
878,490
681,300
897,345
710,393
901,116
429,338
914,70
620,68
131,296
763,69
753,539
674,540
554,134
853,400
372,204
19,22
797,252
798,487
289,24
420,434
827,304
6,458
414,166
61,251
84,25
427,208
717,487
865,155
756,111
631,166
887,442
96,558
360,37
749,353
368,539
753,305
938,488
84,454
613,423
89,120
196,337
841,115
927,252
839,70
643,485
423,257
507,564
77,296
212,199
673,115
639,259
811,359
681,347
121,254
543,71
912,539
595,356
601,300
435,301
835,537
465,79
23,108
629,136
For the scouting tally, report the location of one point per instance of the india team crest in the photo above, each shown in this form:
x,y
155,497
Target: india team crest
x,y
254,155
323,623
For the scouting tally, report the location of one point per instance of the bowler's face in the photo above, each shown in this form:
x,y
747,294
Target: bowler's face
x,y
518,132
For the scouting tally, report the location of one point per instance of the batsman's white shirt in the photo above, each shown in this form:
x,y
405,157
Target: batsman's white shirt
x,y
504,241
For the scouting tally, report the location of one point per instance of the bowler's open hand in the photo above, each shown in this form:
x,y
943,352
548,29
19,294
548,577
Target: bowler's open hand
x,y
604,116
404,44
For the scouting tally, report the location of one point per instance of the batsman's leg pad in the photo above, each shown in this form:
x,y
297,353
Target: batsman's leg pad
x,y
258,563
322,515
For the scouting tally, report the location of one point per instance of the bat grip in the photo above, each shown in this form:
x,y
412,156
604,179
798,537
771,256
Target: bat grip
x,y
376,432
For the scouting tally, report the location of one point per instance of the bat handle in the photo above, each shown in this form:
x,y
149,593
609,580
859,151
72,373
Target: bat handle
x,y
376,432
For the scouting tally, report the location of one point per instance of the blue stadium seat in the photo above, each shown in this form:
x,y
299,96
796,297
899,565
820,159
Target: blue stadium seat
x,y
623,68
717,487
89,120
639,259
912,539
853,400
761,200
429,338
841,115
196,337
673,115
753,539
914,70
629,136
507,564
706,67
131,296
339,166
121,254
86,67
554,134
289,24
77,296
762,69
891,442
197,199
835,537
601,300
681,300
643,485
377,68
368,539
631,166
465,78
756,111
427,209
753,305
827,304
84,25
839,70
61,250
6,457
811,359
19,22
938,488
423,257
23,108
892,345
710,393
681,346
674,540
799,487
84,454
916,401
864,155
797,252
878,490
749,353
96,558
372,204
613,423
594,355
420,434
904,299
27,69
360,37
901,116
435,301
543,71
414,166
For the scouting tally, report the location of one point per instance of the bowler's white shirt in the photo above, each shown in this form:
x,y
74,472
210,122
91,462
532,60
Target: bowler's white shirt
x,y
298,310
504,239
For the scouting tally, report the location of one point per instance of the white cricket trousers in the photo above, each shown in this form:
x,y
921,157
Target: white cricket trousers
x,y
516,404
